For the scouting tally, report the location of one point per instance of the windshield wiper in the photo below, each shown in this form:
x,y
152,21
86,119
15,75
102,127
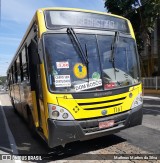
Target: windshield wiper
x,y
87,64
81,52
113,48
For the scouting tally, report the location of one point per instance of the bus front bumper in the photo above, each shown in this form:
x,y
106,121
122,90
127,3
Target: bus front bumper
x,y
63,132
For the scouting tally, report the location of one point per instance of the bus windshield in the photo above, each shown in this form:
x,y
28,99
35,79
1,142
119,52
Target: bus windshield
x,y
67,72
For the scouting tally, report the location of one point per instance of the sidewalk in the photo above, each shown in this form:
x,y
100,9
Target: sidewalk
x,y
151,92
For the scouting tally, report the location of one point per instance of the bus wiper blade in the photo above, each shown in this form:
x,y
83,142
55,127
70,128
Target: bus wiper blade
x,y
74,36
113,48
87,64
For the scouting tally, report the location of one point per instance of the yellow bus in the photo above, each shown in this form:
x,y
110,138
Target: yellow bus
x,y
76,75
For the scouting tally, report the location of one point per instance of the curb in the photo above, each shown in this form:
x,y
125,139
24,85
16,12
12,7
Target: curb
x,y
151,91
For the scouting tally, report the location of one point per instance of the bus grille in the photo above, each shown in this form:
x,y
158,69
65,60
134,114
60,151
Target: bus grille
x,y
101,104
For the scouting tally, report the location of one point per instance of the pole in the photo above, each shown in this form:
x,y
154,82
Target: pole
x,y
156,83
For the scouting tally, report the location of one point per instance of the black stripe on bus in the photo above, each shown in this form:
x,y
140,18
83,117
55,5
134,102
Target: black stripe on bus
x,y
101,102
104,107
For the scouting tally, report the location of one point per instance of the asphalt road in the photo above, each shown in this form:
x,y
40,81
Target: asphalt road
x,y
143,139
147,135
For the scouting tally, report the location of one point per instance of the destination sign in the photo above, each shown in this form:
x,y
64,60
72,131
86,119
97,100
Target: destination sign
x,y
85,20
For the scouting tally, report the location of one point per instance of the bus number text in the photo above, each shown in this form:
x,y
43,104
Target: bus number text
x,y
117,109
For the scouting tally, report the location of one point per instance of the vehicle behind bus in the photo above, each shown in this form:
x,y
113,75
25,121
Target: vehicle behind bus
x,y
76,75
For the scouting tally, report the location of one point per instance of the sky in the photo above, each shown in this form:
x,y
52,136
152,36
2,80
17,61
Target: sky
x,y
16,16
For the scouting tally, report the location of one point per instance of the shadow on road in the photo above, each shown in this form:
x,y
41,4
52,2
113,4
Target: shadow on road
x,y
153,107
151,111
26,144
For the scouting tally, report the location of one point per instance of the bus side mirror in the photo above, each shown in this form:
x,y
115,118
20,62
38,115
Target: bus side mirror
x,y
33,52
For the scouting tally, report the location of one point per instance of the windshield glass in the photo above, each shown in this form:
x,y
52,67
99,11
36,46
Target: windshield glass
x,y
67,71
125,70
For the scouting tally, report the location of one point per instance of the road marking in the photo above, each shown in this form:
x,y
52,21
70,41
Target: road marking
x,y
148,105
151,97
10,136
152,110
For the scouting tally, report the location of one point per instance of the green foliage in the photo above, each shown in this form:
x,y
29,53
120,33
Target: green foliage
x,y
3,80
142,18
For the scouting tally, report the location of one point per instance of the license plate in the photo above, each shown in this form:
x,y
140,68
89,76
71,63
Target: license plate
x,y
106,124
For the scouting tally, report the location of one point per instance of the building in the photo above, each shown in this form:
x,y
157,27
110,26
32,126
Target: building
x,y
150,57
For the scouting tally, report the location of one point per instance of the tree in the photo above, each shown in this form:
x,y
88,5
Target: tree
x,y
142,15
3,80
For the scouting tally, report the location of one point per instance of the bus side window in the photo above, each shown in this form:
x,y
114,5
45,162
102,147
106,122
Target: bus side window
x,y
18,70
15,72
12,73
24,65
10,77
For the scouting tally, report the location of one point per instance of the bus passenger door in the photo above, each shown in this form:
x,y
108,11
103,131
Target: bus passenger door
x,y
34,69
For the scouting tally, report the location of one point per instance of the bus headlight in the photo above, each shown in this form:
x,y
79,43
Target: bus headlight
x,y
137,101
59,113
65,115
55,114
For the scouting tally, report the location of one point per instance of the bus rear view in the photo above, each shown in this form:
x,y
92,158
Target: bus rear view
x,y
90,83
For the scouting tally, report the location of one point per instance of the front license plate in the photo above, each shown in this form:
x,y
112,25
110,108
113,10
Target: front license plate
x,y
106,124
